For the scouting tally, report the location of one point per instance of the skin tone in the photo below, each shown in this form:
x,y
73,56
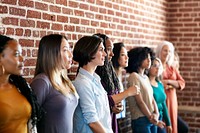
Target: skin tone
x,y
12,61
98,60
123,62
153,73
109,49
131,91
66,54
123,58
168,84
153,117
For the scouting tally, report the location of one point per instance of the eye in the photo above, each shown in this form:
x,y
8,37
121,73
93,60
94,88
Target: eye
x,y
16,54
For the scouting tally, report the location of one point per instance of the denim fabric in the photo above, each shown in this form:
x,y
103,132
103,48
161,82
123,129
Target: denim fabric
x,y
93,103
143,125
161,130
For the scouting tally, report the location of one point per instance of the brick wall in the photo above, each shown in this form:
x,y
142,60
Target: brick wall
x,y
135,22
184,21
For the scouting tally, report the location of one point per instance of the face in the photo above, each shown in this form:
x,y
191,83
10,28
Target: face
x,y
154,69
99,57
165,53
147,62
66,54
11,58
109,48
123,58
176,62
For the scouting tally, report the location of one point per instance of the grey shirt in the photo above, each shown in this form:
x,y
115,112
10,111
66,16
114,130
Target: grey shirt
x,y
59,108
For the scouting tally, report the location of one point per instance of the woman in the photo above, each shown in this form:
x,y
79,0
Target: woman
x,y
120,61
171,80
54,90
111,83
144,111
159,94
92,113
17,101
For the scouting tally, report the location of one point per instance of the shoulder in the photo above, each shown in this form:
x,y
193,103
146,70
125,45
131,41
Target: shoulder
x,y
134,75
40,79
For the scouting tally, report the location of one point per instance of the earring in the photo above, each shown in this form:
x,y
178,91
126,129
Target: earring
x,y
2,70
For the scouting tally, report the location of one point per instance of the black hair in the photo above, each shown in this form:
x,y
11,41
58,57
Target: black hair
x,y
85,49
116,51
136,57
4,41
20,83
107,73
25,90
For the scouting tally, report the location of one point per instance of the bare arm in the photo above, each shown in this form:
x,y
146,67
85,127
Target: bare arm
x,y
96,127
144,109
131,91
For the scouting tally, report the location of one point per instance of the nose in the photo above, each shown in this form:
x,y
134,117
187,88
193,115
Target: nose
x,y
104,53
111,53
70,54
126,57
21,59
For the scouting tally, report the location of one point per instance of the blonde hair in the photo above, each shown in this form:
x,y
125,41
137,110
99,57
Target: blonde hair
x,y
171,48
160,67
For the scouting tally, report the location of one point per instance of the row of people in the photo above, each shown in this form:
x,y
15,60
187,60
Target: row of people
x,y
97,93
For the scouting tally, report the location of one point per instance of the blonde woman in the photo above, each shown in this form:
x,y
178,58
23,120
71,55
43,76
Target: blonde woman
x,y
171,79
54,90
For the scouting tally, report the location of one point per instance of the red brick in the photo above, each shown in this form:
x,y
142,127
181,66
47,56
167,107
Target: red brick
x,y
26,3
55,9
3,9
12,2
33,14
10,21
26,43
61,2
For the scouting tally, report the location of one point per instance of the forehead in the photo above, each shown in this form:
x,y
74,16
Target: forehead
x,y
101,45
123,49
109,43
13,45
165,47
156,62
64,43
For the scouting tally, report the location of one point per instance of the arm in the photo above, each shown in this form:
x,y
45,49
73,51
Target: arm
x,y
176,81
88,99
96,127
41,88
144,109
131,91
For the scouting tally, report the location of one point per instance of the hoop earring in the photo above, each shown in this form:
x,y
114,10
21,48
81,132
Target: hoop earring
x,y
2,70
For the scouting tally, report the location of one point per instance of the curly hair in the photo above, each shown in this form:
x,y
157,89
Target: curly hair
x,y
137,56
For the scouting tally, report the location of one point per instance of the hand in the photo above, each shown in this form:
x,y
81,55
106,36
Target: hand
x,y
153,119
165,84
161,124
169,129
117,108
133,90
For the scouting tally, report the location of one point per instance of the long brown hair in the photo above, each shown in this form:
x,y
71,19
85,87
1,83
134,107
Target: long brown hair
x,y
49,62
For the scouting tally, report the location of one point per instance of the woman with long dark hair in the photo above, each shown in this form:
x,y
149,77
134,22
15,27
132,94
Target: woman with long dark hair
x,y
17,101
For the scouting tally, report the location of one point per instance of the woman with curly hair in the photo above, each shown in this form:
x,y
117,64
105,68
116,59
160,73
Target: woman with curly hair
x,y
111,83
144,111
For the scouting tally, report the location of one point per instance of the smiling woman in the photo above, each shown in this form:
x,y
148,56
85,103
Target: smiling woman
x,y
13,88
